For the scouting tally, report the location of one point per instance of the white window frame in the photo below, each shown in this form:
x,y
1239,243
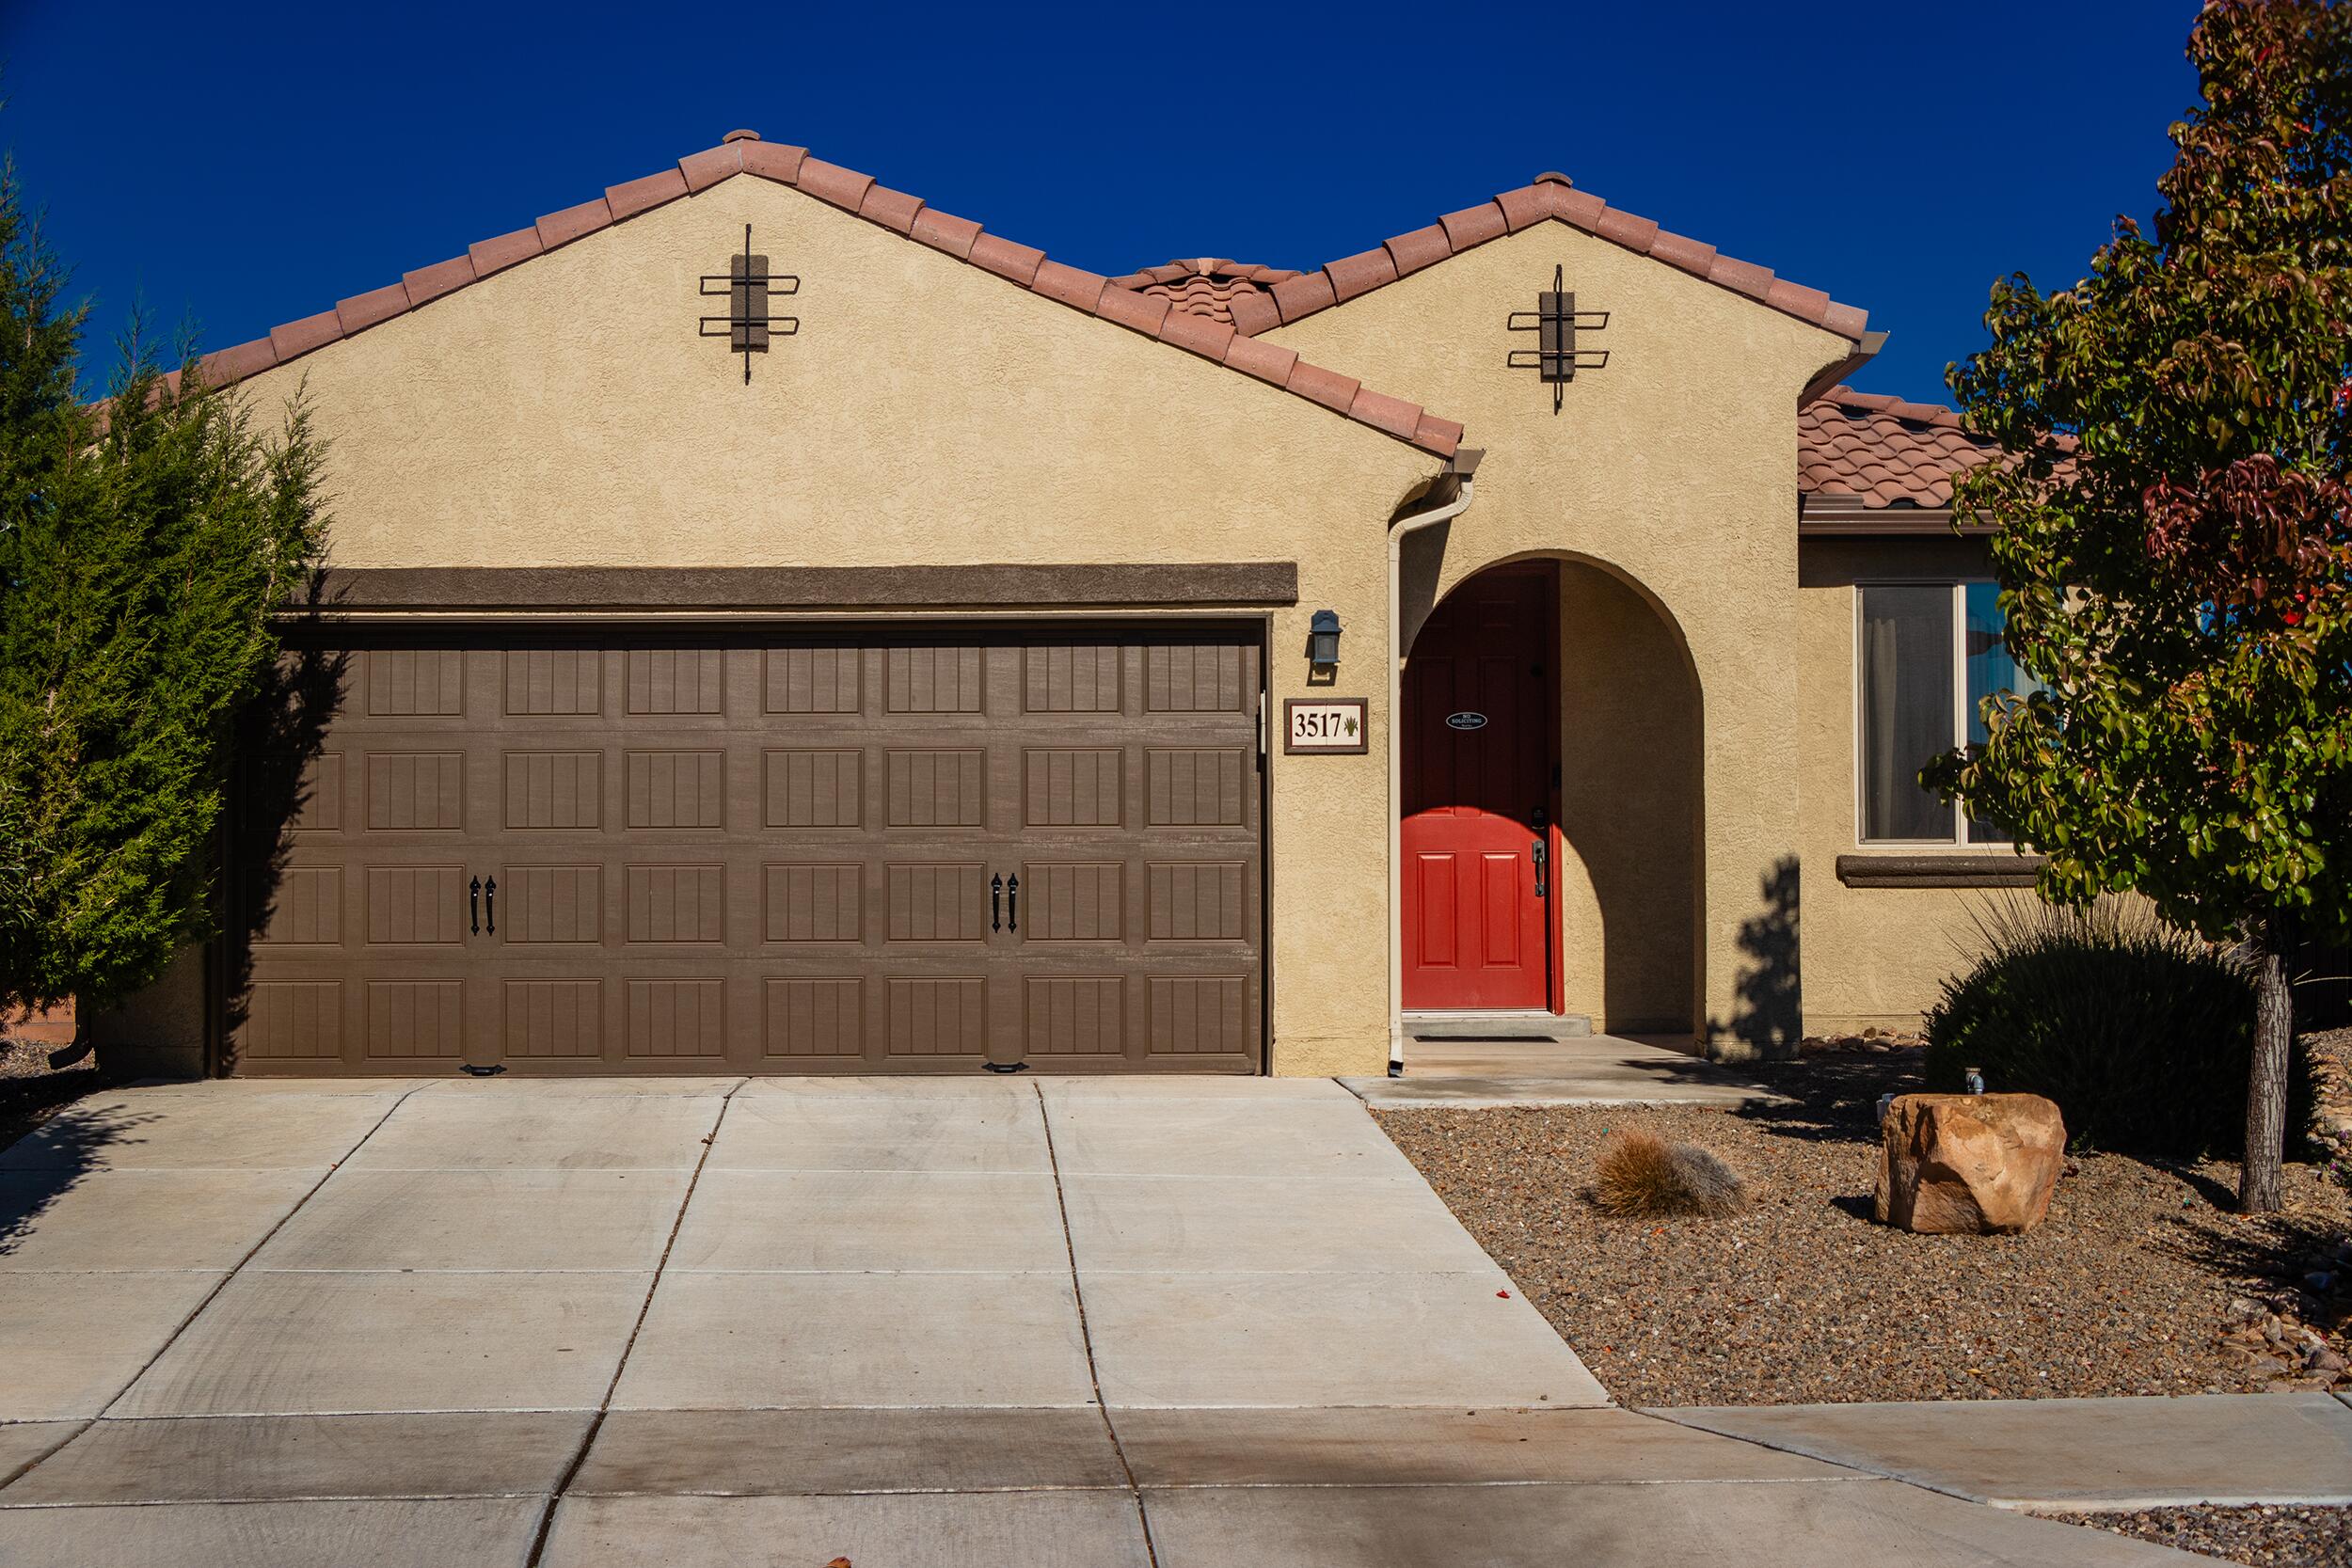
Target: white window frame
x,y
1958,840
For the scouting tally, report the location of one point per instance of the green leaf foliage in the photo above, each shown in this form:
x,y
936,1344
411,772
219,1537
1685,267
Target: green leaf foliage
x,y
2175,527
144,545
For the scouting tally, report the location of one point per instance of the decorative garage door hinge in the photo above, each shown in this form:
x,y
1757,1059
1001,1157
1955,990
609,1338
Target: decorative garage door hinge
x,y
1555,358
748,287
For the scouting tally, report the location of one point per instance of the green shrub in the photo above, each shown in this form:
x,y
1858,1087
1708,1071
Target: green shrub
x,y
2140,1031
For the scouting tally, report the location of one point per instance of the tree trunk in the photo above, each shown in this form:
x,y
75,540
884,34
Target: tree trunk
x,y
2261,1182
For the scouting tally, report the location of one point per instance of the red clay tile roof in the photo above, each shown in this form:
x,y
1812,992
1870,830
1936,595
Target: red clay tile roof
x,y
1203,286
1880,451
1552,197
743,152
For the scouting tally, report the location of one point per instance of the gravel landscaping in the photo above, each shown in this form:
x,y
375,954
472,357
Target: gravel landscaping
x,y
2262,1537
2142,1281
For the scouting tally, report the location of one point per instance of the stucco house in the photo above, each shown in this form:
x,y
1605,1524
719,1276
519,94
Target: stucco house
x,y
773,625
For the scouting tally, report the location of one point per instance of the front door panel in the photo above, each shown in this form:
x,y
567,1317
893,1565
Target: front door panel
x,y
1477,784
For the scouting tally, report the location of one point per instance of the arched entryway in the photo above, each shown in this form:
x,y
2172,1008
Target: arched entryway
x,y
1551,803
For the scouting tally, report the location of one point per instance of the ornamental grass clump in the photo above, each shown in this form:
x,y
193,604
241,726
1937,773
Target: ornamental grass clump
x,y
1641,1175
2139,1031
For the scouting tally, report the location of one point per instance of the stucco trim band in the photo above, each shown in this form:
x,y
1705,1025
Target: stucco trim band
x,y
1955,870
676,588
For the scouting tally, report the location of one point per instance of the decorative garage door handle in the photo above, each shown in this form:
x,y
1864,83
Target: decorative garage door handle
x,y
1012,903
490,903
996,902
473,905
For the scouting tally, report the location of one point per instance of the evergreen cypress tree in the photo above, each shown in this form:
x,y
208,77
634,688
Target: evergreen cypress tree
x,y
144,546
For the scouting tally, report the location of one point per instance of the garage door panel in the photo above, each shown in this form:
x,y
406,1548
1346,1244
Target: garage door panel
x,y
551,904
944,678
661,682
1066,677
815,786
408,683
676,1019
414,906
551,1020
936,787
1068,901
553,791
936,901
1065,787
676,788
419,790
814,902
813,1020
936,1015
306,911
774,853
675,904
815,680
551,682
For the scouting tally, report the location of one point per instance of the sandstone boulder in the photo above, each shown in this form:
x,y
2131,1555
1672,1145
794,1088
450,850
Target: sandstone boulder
x,y
1969,1165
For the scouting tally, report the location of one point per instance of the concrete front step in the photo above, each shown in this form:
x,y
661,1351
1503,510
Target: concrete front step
x,y
1498,1026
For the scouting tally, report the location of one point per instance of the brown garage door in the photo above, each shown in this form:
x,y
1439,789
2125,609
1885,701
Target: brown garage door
x,y
814,854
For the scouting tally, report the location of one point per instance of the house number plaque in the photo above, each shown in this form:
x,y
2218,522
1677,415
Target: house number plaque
x,y
1331,726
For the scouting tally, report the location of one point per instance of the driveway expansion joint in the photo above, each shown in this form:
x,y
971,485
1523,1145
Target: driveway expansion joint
x,y
620,1364
1086,1334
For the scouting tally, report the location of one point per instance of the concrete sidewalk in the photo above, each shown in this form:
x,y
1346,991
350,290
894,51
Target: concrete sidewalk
x,y
1183,1322
2070,1455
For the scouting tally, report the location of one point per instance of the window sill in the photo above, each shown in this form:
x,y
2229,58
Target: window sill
x,y
1983,868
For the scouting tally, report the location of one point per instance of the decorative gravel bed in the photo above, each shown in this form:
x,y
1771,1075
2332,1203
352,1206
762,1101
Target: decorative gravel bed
x,y
2127,1288
2260,1537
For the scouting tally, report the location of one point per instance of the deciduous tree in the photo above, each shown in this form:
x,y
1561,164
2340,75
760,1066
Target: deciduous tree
x,y
2175,532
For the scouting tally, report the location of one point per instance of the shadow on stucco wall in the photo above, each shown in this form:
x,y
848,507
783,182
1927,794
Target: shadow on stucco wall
x,y
1768,1016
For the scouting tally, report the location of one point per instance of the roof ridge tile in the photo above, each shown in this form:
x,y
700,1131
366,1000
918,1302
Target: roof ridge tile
x,y
574,223
1515,210
1110,300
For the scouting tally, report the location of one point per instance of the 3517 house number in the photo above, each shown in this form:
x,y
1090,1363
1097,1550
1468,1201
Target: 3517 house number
x,y
1332,726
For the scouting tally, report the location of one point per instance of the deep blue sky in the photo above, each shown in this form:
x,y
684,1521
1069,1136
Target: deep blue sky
x,y
248,164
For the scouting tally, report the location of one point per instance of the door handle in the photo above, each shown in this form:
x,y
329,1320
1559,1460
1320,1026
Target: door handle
x,y
1540,856
996,902
490,903
1012,903
473,905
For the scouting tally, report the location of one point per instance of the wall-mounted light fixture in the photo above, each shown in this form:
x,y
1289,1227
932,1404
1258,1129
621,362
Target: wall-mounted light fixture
x,y
1323,640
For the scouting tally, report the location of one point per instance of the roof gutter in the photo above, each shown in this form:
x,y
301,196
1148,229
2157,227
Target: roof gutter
x,y
1464,465
1865,351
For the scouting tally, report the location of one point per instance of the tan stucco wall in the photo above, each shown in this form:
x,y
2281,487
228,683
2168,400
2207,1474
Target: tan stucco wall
x,y
1674,467
927,412
1874,956
1629,810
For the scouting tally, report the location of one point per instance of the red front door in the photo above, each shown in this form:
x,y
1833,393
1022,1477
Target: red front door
x,y
1477,790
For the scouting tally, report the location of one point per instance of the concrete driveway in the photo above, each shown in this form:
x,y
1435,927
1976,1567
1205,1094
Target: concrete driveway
x,y
1184,1323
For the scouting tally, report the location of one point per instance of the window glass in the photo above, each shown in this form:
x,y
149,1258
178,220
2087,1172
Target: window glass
x,y
1908,691
1989,670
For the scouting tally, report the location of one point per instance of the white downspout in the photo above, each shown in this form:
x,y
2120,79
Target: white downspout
x,y
1465,464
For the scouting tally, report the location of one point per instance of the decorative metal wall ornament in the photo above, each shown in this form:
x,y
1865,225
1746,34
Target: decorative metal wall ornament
x,y
748,289
1555,359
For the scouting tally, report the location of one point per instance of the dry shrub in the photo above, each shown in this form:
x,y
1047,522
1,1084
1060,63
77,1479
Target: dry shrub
x,y
1642,1175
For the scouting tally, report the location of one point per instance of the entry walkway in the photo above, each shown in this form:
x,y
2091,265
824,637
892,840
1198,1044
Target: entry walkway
x,y
1177,1323
1594,1070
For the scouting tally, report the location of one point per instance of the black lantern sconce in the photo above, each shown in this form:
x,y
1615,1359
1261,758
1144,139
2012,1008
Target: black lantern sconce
x,y
1323,647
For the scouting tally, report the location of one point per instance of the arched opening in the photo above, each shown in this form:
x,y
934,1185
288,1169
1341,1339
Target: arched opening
x,y
1552,802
